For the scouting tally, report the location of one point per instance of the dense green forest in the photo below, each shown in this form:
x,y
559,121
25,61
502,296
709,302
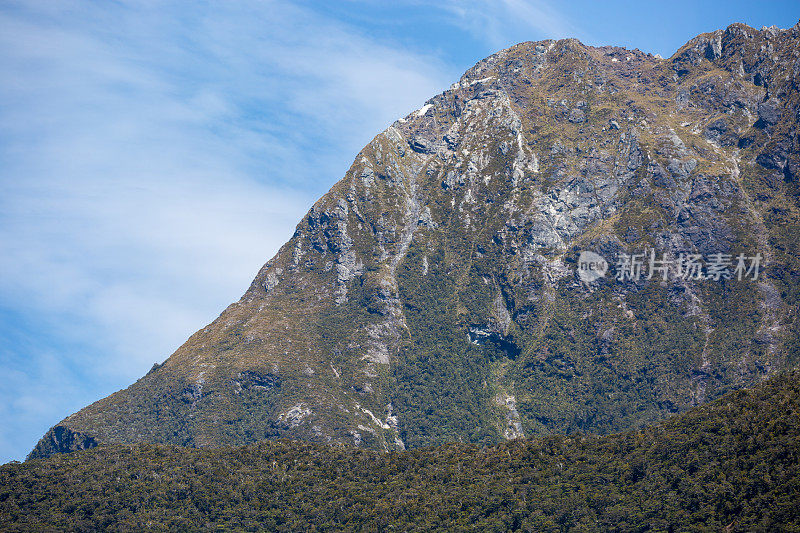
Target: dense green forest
x,y
730,465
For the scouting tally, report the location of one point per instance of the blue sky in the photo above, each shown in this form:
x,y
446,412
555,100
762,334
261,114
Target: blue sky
x,y
153,155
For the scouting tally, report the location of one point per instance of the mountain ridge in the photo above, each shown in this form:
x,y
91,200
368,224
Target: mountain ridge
x,y
431,296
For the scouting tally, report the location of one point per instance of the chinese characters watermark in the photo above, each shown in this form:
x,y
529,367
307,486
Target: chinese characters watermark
x,y
686,266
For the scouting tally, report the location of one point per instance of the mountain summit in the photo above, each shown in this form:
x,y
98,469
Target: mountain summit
x,y
568,239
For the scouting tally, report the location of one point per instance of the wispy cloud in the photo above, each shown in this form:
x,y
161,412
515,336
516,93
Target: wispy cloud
x,y
152,157
502,23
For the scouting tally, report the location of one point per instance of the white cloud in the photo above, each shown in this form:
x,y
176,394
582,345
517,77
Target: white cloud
x,y
502,23
152,157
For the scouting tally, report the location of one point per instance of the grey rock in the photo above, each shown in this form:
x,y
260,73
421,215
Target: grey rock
x,y
716,128
714,47
420,145
452,139
768,113
576,116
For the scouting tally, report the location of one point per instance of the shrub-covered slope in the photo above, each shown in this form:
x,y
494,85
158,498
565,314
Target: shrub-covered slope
x,y
730,465
431,296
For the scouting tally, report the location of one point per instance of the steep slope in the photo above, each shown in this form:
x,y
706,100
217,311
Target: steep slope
x,y
432,295
731,465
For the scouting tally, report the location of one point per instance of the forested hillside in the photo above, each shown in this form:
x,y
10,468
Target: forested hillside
x,y
730,465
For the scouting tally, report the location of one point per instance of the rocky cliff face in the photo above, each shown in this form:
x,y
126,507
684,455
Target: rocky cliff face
x,y
434,294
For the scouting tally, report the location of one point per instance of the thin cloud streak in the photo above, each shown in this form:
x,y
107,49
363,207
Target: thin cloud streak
x,y
502,23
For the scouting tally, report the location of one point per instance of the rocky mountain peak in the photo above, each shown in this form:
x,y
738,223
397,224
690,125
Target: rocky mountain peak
x,y
434,294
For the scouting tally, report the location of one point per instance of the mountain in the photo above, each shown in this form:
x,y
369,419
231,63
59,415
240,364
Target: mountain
x,y
439,292
729,465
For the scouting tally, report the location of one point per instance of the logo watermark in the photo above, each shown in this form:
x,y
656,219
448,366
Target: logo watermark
x,y
591,266
647,265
